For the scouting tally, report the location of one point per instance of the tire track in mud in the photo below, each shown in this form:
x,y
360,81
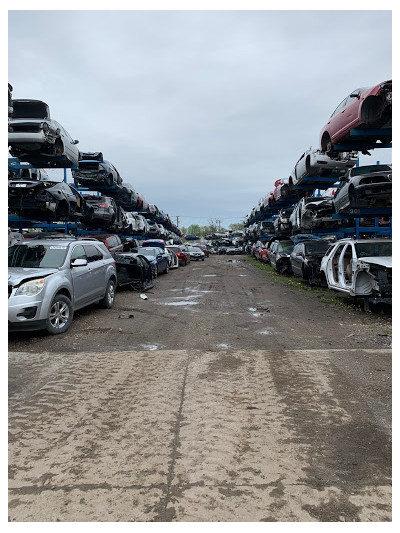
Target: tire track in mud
x,y
193,436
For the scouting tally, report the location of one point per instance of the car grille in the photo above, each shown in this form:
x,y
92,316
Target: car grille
x,y
26,128
92,165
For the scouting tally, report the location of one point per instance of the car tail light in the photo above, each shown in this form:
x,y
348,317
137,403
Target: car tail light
x,y
104,205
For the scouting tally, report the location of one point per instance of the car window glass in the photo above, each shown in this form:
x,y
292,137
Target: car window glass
x,y
40,256
316,247
78,253
339,107
92,253
374,249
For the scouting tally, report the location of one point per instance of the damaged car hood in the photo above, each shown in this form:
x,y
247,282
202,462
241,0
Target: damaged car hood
x,y
18,274
381,261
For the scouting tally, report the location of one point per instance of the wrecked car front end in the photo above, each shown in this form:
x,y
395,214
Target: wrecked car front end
x,y
32,136
319,214
372,277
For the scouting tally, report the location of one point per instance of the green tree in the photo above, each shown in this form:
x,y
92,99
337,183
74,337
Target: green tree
x,y
194,229
238,226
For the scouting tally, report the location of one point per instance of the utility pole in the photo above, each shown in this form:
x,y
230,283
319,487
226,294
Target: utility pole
x,y
219,225
177,222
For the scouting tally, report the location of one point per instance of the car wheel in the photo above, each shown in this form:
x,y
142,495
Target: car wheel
x,y
58,148
304,273
62,211
108,301
167,269
203,259
156,272
60,315
352,198
323,281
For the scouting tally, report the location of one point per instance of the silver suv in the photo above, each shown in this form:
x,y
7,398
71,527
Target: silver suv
x,y
50,279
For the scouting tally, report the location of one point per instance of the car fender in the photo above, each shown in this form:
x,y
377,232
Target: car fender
x,y
58,282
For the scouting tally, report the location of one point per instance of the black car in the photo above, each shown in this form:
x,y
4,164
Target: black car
x,y
306,258
102,212
279,255
44,200
363,187
95,171
127,196
134,270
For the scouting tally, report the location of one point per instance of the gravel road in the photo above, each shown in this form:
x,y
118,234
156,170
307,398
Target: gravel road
x,y
227,395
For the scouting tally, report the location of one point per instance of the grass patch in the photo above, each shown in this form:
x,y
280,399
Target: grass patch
x,y
323,294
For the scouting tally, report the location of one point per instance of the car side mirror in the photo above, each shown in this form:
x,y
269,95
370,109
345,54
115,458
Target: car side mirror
x,y
79,263
75,142
354,95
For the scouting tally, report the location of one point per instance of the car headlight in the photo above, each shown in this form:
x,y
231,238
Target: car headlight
x,y
30,288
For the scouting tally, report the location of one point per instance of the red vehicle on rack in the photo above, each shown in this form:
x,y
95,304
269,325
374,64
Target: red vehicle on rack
x,y
366,108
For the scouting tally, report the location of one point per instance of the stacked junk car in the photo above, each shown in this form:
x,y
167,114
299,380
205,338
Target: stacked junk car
x,y
74,243
329,221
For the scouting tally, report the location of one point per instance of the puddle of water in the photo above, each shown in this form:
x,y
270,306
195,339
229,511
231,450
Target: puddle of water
x,y
243,275
151,347
178,303
209,275
187,297
265,332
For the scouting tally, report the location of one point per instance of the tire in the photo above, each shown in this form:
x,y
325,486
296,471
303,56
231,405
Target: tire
x,y
109,296
326,142
323,281
58,148
352,198
62,211
156,272
203,259
167,269
60,315
305,274
308,169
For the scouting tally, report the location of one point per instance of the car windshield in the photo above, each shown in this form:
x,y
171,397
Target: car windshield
x,y
194,249
374,249
174,249
148,252
40,256
286,247
316,247
358,171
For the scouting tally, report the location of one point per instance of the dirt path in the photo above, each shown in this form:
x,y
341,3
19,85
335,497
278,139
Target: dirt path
x,y
227,397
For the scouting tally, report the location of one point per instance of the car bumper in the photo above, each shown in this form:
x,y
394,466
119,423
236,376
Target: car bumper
x,y
22,314
374,191
26,138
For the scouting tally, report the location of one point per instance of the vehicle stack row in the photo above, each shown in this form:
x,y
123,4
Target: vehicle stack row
x,y
97,200
328,197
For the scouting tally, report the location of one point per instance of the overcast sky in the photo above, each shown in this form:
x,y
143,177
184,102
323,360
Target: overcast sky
x,y
200,111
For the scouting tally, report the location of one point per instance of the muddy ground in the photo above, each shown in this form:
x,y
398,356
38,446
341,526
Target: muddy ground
x,y
230,394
